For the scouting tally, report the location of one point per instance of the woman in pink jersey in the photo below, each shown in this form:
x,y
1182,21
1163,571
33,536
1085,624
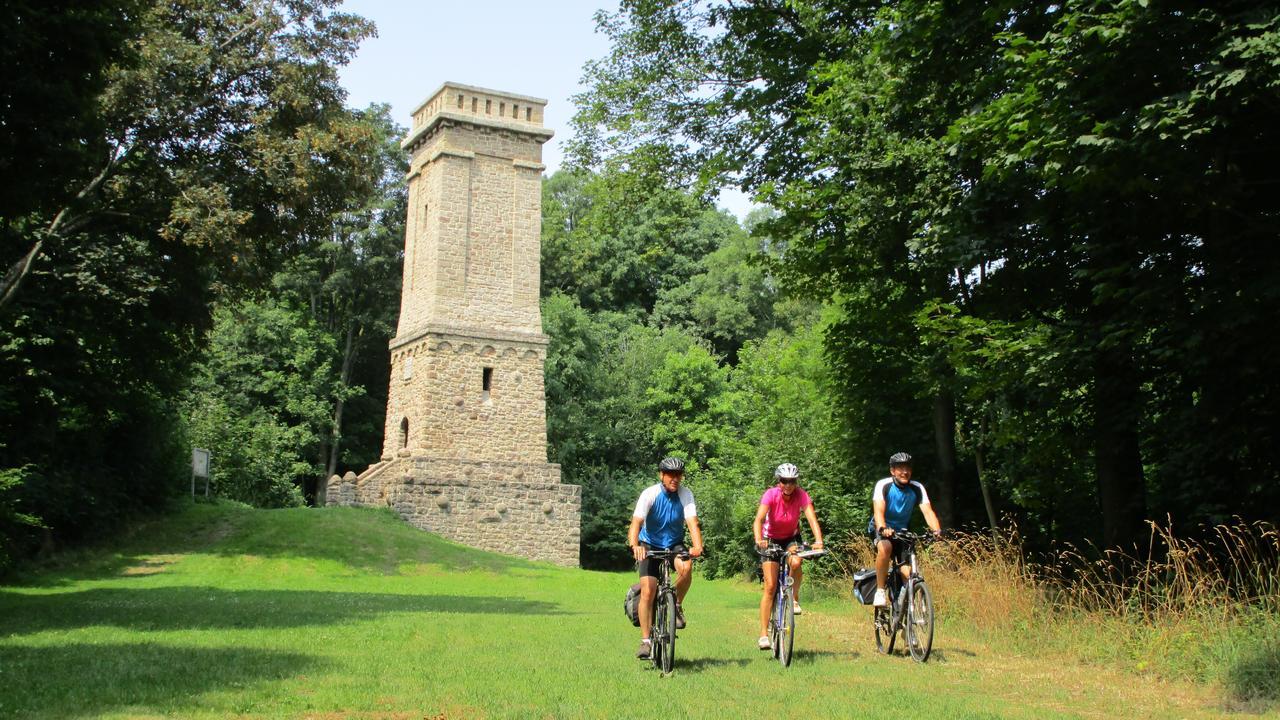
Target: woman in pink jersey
x,y
778,522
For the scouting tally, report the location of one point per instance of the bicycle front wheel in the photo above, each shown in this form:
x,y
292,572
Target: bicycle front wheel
x,y
919,630
786,628
666,655
886,624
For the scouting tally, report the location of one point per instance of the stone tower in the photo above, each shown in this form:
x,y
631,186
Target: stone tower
x,y
465,446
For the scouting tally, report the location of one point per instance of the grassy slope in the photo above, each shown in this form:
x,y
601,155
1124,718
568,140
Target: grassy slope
x,y
224,611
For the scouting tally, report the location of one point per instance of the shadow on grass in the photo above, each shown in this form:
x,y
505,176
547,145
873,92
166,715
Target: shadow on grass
x,y
810,657
702,664
370,540
1255,679
944,655
182,608
88,680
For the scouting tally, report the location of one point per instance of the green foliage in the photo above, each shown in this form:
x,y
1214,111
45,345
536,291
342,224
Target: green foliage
x,y
12,520
615,249
261,402
1046,226
598,369
179,155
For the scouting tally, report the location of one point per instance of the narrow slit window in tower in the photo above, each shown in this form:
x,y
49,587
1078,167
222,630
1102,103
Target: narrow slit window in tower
x,y
487,382
404,433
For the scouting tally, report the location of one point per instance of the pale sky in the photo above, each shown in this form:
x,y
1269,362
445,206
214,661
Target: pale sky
x,y
520,46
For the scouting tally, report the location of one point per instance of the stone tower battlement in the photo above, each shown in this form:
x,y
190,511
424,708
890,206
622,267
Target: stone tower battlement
x,y
465,443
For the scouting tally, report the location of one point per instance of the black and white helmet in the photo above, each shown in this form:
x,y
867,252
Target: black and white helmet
x,y
899,459
671,465
786,471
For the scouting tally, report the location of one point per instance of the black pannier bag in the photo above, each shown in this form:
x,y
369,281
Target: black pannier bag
x,y
631,603
864,585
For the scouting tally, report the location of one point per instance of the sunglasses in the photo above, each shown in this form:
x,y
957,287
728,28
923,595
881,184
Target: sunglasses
x,y
788,481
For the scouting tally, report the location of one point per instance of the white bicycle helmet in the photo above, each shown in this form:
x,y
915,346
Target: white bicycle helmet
x,y
786,471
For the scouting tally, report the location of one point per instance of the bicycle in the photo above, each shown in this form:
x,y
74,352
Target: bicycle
x,y
910,604
662,635
782,619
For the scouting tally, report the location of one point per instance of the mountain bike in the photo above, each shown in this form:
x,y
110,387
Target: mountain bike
x,y
782,619
662,635
910,603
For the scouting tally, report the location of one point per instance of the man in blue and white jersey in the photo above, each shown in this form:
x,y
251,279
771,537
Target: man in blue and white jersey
x,y
892,503
659,520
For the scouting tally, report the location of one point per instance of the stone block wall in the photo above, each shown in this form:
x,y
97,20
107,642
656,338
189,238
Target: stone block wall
x,y
512,508
437,403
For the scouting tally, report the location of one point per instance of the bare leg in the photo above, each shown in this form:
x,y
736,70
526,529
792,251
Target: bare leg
x,y
797,576
684,577
884,553
770,570
648,588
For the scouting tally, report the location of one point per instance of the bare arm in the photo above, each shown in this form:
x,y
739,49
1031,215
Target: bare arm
x,y
695,533
633,539
758,526
877,510
931,518
812,517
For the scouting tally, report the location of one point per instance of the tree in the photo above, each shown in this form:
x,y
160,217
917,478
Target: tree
x,y
1038,168
262,400
598,370
348,281
211,136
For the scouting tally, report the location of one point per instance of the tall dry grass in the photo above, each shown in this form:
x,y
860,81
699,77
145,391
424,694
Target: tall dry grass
x,y
1206,609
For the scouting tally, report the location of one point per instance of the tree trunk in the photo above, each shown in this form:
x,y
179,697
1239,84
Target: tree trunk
x,y
944,437
1117,457
331,468
980,461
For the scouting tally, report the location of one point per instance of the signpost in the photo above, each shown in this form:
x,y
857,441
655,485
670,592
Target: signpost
x,y
199,468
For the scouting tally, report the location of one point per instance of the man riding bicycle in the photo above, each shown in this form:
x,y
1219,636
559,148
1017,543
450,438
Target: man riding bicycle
x,y
892,502
658,522
778,521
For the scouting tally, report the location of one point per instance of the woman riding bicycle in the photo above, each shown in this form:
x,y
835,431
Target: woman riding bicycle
x,y
778,521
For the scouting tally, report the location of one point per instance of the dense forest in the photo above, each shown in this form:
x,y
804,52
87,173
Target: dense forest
x,y
1033,244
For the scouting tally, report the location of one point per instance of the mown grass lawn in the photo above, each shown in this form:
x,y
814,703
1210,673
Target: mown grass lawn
x,y
227,612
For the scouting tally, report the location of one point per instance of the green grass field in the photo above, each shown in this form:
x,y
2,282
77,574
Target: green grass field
x,y
227,612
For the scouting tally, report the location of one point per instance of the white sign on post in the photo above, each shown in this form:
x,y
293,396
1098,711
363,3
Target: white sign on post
x,y
199,468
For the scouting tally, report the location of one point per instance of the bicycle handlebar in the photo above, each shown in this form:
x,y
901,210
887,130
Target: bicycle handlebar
x,y
775,551
908,536
668,553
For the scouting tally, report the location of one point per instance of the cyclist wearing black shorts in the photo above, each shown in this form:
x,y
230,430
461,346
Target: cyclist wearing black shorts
x,y
892,503
658,522
778,521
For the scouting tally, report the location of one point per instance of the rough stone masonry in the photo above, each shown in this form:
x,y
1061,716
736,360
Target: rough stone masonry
x,y
465,447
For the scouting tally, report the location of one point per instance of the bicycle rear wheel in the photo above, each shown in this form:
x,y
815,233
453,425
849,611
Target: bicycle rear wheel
x,y
787,628
666,628
919,630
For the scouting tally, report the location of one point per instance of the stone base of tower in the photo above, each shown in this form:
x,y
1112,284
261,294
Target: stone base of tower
x,y
513,508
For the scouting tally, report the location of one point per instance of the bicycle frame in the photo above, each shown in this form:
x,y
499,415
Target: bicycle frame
x,y
888,621
662,632
782,621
